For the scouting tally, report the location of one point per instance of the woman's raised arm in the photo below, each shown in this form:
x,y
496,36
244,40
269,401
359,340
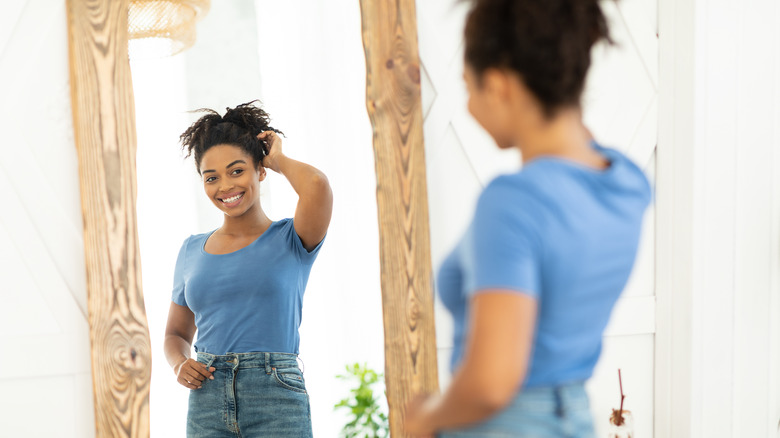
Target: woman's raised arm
x,y
315,199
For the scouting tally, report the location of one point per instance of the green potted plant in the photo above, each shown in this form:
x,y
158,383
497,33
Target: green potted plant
x,y
367,417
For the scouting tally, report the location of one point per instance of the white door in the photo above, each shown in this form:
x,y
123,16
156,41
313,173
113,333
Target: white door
x,y
46,385
620,104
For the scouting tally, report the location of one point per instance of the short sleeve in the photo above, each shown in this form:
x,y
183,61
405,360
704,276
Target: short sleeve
x,y
295,242
178,275
503,248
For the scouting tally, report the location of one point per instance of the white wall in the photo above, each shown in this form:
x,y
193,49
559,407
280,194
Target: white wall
x,y
313,83
719,220
717,269
45,383
167,214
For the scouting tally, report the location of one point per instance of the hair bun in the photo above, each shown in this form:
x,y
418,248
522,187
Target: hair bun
x,y
546,42
240,126
250,117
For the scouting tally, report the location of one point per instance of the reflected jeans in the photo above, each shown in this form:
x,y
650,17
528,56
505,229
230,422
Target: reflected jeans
x,y
252,395
542,412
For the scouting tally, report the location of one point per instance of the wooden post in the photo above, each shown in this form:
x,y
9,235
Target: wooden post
x,y
394,106
104,125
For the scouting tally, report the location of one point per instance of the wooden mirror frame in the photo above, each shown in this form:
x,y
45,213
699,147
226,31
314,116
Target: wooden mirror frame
x,y
105,136
104,128
394,106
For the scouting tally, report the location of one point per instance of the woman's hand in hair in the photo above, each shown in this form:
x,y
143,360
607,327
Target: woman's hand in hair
x,y
315,199
274,144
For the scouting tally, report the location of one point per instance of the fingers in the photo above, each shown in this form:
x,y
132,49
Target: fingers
x,y
270,138
191,378
186,383
202,372
192,374
186,379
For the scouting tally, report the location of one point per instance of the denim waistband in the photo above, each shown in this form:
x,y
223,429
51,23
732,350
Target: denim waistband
x,y
556,398
567,389
249,360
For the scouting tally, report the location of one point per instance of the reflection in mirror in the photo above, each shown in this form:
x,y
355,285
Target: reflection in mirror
x,y
461,160
310,78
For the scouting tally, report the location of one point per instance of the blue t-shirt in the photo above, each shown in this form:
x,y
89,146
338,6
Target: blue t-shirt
x,y
566,235
249,300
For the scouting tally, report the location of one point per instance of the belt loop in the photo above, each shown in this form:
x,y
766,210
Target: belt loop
x,y
559,410
268,363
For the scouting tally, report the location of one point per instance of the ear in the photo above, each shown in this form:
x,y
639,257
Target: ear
x,y
520,95
497,84
261,172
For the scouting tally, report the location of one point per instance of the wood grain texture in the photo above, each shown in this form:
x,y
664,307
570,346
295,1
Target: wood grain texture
x,y
104,127
394,107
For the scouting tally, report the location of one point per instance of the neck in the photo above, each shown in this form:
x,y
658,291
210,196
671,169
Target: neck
x,y
249,223
563,136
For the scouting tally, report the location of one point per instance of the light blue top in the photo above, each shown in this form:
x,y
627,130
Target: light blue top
x,y
249,300
566,235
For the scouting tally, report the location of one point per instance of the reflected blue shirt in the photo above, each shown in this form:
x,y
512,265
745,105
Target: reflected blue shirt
x,y
566,235
249,300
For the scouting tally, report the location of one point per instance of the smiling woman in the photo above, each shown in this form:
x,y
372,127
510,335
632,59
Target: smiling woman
x,y
242,284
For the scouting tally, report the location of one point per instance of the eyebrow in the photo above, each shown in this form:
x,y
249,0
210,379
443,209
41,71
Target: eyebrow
x,y
226,167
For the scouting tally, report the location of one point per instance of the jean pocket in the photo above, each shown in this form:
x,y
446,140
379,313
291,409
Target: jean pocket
x,y
290,378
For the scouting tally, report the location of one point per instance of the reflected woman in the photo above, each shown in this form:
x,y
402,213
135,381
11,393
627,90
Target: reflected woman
x,y
241,286
533,281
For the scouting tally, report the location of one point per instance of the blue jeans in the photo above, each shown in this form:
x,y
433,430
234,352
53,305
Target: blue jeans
x,y
542,412
252,395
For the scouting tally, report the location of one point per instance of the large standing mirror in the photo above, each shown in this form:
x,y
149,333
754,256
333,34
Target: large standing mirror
x,y
305,63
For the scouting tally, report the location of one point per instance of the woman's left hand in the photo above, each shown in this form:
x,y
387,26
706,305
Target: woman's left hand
x,y
274,149
415,421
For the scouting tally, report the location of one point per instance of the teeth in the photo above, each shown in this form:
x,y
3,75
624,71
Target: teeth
x,y
232,199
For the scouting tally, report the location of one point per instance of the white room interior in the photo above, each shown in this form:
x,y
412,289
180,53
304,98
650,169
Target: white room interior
x,y
689,92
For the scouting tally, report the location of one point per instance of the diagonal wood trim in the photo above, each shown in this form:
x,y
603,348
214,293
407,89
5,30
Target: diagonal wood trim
x,y
104,126
394,107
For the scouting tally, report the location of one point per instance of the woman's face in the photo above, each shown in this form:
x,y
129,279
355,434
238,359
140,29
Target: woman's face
x,y
230,179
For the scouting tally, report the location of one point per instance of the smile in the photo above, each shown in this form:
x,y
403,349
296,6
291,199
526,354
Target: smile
x,y
231,199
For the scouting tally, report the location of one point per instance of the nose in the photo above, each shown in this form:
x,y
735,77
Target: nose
x,y
225,187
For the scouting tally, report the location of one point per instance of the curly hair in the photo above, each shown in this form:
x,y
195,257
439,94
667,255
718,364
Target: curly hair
x,y
238,127
547,43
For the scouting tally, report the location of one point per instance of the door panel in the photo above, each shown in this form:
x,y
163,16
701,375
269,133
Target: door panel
x,y
44,335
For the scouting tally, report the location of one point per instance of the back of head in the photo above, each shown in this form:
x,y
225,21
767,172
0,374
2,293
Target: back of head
x,y
546,42
238,127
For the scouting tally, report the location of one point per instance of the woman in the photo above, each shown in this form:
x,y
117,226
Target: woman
x,y
532,283
241,286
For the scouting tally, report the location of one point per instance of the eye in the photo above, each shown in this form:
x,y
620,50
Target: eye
x,y
237,171
210,179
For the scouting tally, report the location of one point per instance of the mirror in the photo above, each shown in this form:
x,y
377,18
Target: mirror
x,y
620,109
306,65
